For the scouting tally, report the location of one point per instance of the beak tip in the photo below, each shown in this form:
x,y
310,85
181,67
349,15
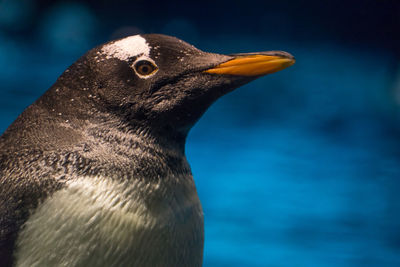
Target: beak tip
x,y
291,62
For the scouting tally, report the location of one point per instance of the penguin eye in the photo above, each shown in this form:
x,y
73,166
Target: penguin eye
x,y
145,67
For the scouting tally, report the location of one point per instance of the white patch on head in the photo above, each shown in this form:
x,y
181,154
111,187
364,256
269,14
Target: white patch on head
x,y
126,48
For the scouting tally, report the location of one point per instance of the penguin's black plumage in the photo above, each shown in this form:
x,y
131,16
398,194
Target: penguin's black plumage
x,y
94,172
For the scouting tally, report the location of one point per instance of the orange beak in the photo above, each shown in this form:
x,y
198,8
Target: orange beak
x,y
254,64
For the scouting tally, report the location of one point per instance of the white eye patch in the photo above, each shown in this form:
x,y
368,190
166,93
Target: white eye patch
x,y
133,46
127,48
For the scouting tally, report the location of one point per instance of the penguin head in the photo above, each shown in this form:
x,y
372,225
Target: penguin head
x,y
165,83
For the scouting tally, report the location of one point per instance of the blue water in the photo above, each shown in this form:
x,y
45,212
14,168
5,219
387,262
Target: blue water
x,y
299,168
306,177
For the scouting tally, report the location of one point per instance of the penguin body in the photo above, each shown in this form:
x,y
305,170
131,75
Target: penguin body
x,y
94,172
97,216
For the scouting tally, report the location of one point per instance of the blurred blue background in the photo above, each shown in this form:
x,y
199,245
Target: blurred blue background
x,y
299,168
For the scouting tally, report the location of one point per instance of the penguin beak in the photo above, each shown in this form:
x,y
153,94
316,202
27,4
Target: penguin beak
x,y
254,64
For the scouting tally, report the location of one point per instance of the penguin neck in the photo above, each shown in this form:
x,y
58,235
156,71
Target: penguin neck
x,y
140,151
111,122
162,138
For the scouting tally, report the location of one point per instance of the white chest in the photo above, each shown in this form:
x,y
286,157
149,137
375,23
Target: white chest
x,y
99,222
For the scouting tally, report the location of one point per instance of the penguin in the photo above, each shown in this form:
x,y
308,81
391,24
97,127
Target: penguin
x,y
94,172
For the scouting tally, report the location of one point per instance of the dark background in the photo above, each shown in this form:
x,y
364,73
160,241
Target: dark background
x,y
300,168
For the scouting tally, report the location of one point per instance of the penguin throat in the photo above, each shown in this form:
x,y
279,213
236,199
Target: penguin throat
x,y
134,152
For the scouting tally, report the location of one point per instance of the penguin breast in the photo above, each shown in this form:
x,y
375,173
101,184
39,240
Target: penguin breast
x,y
97,221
